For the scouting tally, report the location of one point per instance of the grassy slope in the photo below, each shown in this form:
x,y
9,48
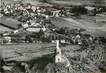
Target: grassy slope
x,y
66,22
87,22
92,24
26,52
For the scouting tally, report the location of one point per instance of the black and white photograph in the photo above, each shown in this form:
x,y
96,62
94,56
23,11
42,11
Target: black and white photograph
x,y
52,36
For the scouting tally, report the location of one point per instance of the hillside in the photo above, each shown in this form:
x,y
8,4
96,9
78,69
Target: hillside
x,y
79,2
64,2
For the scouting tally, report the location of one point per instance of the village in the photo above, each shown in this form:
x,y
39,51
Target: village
x,y
55,34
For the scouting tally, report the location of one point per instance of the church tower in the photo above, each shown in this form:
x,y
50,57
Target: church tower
x,y
58,57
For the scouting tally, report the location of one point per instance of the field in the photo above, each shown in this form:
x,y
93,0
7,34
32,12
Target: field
x,y
26,52
94,24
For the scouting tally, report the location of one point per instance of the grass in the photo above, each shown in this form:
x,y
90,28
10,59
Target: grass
x,y
26,52
87,22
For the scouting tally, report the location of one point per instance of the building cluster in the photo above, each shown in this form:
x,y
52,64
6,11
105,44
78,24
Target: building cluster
x,y
33,23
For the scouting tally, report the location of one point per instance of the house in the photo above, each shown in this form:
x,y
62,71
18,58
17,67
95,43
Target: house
x,y
15,38
35,28
91,10
7,39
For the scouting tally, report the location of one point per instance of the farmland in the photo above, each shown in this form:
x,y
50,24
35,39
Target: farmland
x,y
64,39
93,24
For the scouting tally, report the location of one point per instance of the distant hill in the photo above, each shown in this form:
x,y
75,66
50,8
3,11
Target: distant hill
x,y
67,2
79,2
